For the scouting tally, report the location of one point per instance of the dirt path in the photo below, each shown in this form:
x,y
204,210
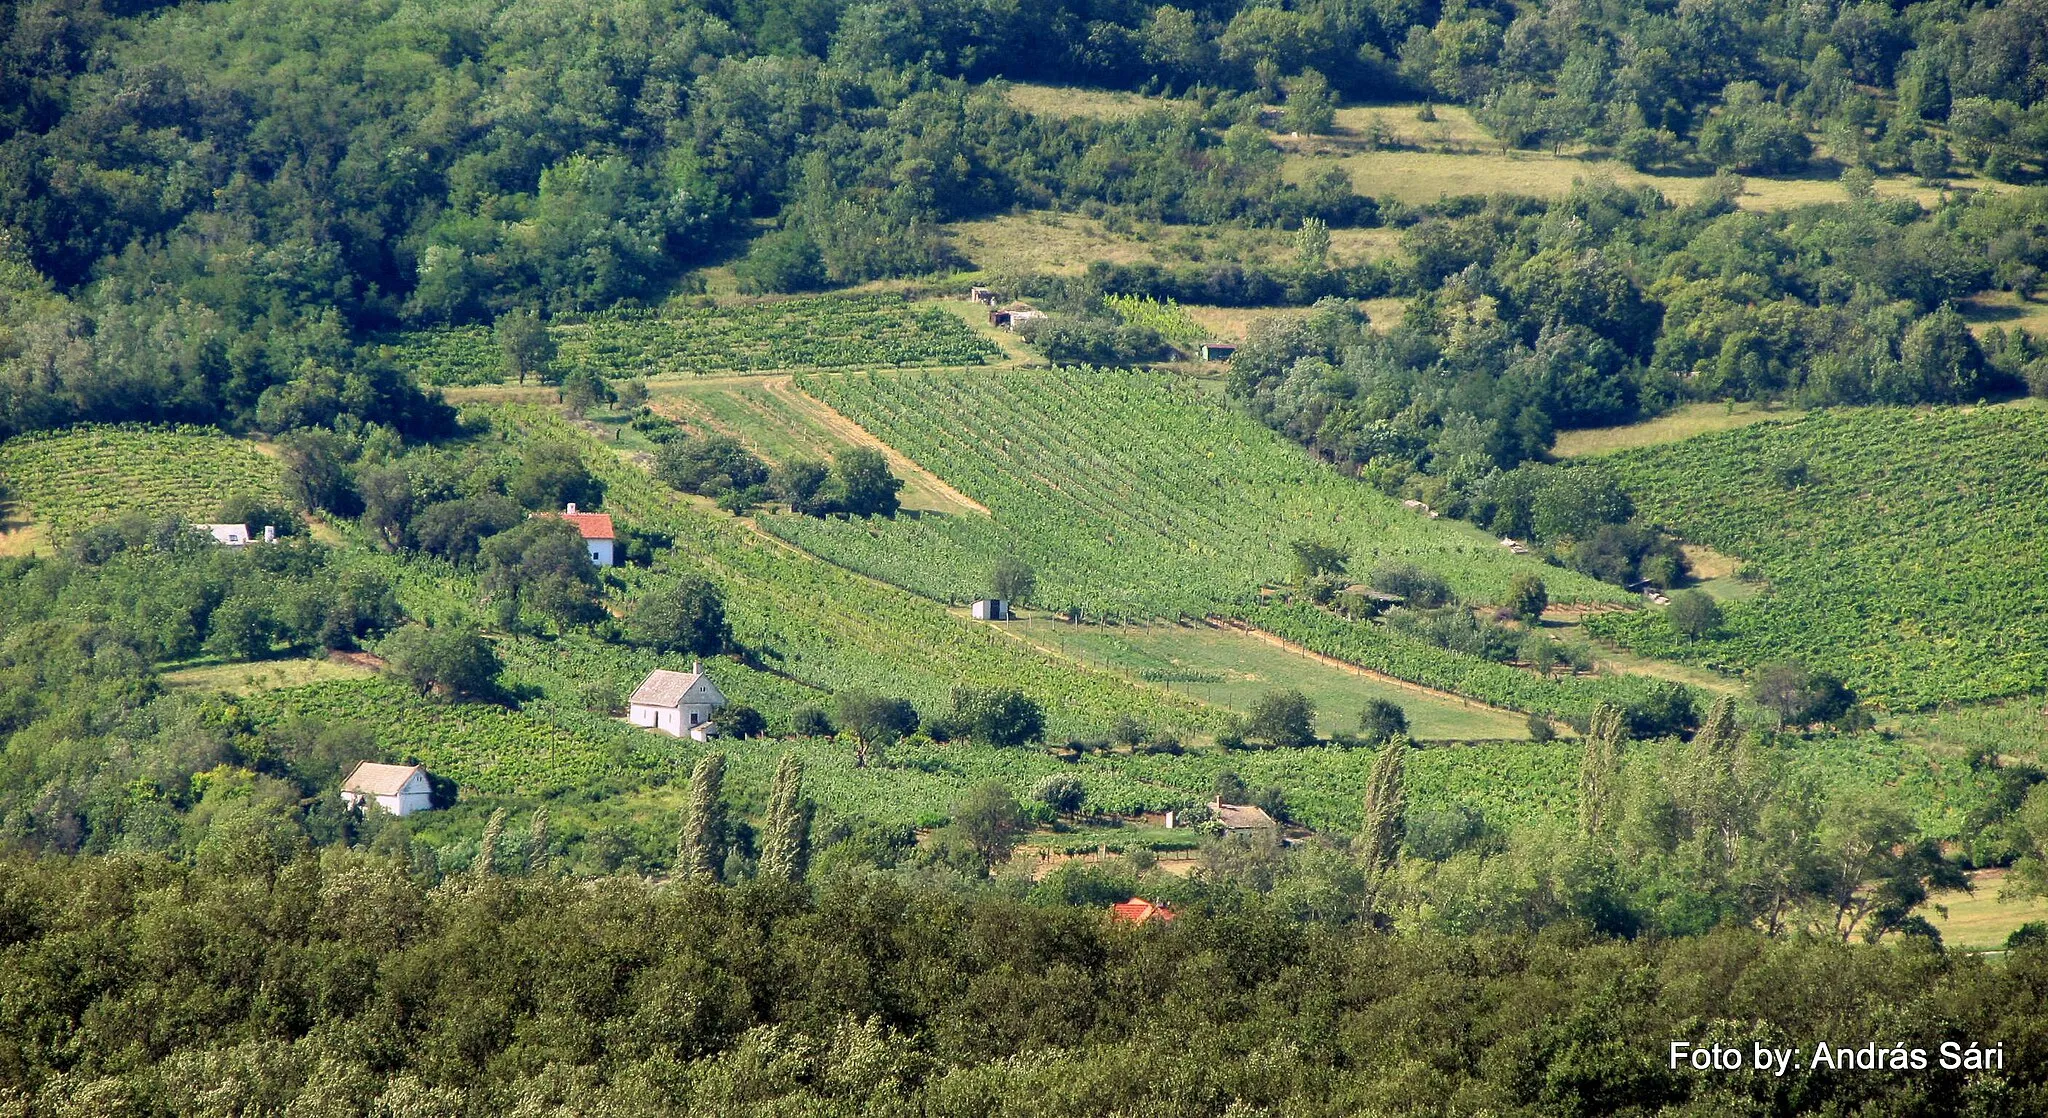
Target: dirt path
x,y
815,410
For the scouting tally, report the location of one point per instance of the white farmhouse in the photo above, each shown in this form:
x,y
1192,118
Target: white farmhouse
x,y
598,536
398,789
679,704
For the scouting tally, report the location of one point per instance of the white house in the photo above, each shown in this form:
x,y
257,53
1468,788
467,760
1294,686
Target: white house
x,y
235,535
679,704
598,537
398,789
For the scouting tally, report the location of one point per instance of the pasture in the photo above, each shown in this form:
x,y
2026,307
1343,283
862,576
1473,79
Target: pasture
x,y
1680,423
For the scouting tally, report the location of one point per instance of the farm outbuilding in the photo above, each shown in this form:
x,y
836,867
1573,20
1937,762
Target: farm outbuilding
x,y
599,537
1242,819
679,704
1014,315
399,789
991,609
981,295
236,535
1217,351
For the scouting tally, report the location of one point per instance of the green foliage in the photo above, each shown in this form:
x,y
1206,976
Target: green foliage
x,y
543,563
1164,318
786,847
1283,719
1382,721
700,843
453,660
988,819
683,616
1899,566
1693,613
1528,598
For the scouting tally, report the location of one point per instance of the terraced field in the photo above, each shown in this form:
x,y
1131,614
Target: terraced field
x,y
1900,548
68,480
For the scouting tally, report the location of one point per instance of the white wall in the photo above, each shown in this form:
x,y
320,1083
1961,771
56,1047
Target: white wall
x,y
601,552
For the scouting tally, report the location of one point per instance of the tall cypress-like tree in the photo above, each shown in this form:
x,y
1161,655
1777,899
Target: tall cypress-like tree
x,y
1600,769
1386,803
786,852
487,854
538,860
703,831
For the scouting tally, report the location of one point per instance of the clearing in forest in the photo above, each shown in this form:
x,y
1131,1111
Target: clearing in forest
x,y
1901,548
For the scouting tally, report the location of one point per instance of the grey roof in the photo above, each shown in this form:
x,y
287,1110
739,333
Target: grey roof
x,y
664,688
373,779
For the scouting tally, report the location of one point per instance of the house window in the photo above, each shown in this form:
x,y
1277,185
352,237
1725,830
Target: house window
x,y
694,716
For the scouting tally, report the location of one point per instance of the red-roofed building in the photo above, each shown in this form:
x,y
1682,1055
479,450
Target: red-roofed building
x,y
1138,910
598,535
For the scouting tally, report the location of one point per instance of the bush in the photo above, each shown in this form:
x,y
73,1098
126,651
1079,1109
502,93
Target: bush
x,y
1284,719
811,722
742,721
1382,720
1060,792
1694,614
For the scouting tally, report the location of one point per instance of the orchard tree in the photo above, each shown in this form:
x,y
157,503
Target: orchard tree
x,y
989,820
864,484
1694,614
525,344
684,616
1528,597
875,721
1285,719
1013,580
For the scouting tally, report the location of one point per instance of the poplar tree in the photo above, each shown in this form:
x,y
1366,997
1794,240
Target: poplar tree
x,y
1386,804
703,821
487,853
538,861
786,851
1600,769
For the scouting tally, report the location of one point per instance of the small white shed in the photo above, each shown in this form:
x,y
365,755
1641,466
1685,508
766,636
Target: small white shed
x,y
991,609
679,704
398,789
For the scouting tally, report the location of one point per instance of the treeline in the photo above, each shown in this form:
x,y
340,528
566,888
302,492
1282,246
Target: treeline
x,y
341,984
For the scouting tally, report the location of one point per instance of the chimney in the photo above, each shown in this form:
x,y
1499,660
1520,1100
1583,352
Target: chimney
x,y
572,508
269,533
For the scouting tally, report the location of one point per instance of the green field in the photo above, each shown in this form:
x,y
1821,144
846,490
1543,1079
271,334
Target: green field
x,y
1673,426
1906,557
1232,669
68,480
1134,495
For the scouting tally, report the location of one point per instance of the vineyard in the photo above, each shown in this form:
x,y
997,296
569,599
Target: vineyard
x,y
832,629
455,355
1900,549
71,479
483,748
1168,319
1132,495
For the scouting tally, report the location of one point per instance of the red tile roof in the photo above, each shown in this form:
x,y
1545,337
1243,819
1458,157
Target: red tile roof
x,y
1138,910
593,525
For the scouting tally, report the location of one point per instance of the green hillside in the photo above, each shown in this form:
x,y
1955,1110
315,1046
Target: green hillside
x,y
71,479
1132,493
1901,549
